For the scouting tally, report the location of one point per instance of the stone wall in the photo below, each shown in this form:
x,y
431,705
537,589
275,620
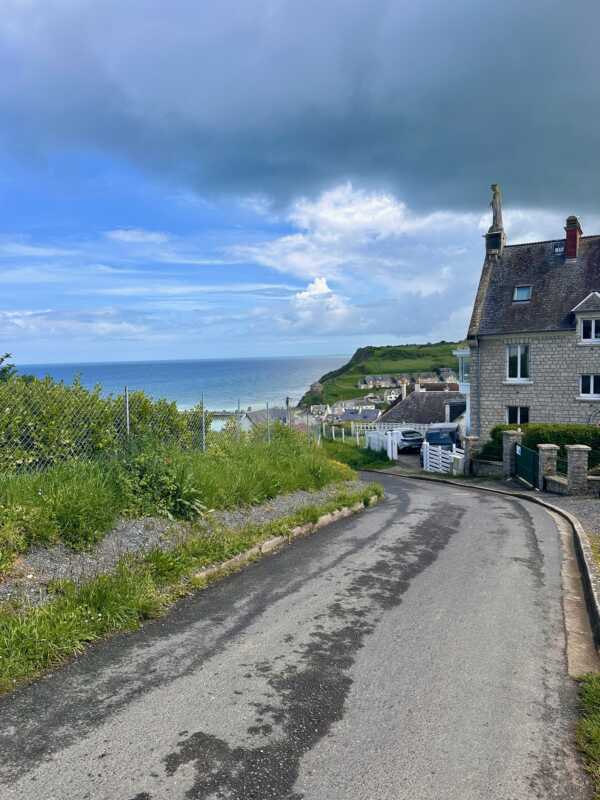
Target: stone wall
x,y
487,469
555,363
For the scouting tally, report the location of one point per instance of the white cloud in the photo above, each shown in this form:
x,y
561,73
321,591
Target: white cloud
x,y
32,251
44,323
137,236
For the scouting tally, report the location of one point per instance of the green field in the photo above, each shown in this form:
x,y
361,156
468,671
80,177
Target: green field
x,y
341,384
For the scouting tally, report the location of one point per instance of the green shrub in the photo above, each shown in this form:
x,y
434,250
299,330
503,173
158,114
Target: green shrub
x,y
547,433
43,422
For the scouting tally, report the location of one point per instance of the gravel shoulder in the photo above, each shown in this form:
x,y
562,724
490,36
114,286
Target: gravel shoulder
x,y
29,579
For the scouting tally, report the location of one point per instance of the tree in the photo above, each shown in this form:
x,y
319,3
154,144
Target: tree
x,y
6,370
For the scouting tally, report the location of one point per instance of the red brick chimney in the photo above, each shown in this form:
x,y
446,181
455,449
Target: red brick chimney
x,y
573,230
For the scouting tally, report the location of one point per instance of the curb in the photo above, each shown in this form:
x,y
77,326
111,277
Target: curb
x,y
590,577
276,542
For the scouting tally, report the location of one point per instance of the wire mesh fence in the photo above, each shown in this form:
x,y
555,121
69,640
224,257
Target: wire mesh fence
x,y
43,423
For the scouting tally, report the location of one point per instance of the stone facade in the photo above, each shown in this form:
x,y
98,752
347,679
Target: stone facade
x,y
556,361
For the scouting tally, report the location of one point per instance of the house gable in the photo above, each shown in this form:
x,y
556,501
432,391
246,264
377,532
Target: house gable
x,y
557,287
589,305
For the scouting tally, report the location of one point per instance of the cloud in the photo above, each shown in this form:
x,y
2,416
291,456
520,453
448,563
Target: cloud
x,y
34,324
136,236
431,100
19,249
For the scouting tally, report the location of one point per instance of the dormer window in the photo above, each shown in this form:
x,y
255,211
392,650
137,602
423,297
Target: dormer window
x,y
589,331
559,248
521,294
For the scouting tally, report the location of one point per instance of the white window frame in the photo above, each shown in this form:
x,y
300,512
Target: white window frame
x,y
518,415
595,339
518,379
590,395
522,299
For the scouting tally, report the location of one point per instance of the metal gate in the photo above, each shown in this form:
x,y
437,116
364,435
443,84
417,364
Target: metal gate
x,y
527,464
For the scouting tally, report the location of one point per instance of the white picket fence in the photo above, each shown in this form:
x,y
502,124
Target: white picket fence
x,y
436,459
385,440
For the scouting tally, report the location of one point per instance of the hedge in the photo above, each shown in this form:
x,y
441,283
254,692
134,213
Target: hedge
x,y
547,433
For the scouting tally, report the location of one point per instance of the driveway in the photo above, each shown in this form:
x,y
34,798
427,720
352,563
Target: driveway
x,y
414,652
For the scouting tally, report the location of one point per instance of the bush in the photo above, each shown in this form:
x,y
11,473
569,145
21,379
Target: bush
x,y
547,433
43,422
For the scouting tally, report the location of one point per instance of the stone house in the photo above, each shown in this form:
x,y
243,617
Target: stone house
x,y
534,336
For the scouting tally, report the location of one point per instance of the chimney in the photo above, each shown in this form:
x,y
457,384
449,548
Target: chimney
x,y
573,231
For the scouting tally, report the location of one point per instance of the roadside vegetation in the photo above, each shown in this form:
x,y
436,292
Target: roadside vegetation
x,y
588,730
341,384
35,639
547,433
77,502
355,457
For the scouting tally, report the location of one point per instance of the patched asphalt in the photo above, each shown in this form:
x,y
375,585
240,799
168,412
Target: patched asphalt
x,y
413,652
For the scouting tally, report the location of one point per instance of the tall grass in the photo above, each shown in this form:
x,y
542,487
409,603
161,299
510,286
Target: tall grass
x,y
32,640
78,502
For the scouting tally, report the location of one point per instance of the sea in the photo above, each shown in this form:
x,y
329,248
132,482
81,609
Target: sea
x,y
222,383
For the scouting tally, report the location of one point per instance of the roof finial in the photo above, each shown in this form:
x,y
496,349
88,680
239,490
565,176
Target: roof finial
x,y
496,206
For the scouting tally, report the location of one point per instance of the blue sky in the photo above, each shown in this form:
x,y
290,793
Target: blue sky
x,y
275,178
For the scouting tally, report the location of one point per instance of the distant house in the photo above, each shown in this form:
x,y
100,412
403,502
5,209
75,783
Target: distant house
x,y
427,407
320,410
448,375
358,415
534,337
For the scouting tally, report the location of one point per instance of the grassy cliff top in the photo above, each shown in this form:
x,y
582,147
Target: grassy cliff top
x,y
341,384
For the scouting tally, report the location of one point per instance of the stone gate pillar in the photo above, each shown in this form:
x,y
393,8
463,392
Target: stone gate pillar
x,y
577,467
509,440
548,454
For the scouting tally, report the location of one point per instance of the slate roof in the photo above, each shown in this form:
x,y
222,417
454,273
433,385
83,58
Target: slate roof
x,y
259,417
422,407
558,285
591,303
366,415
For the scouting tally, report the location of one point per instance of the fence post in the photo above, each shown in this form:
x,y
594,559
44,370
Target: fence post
x,y
333,432
238,420
509,440
203,425
548,454
268,425
577,469
357,438
343,434
127,428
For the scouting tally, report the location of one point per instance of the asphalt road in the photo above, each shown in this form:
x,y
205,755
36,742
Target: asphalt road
x,y
413,652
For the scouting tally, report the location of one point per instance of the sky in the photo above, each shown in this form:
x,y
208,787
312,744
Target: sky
x,y
278,177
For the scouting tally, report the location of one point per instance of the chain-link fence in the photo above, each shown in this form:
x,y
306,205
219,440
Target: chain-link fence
x,y
43,422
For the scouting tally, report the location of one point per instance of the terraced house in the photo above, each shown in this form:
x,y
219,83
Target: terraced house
x,y
534,336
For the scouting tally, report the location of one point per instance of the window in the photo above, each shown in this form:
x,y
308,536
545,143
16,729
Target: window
x,y
517,415
522,294
590,386
518,362
559,248
590,330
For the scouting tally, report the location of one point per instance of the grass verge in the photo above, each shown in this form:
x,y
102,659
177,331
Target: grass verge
x,y
355,457
33,640
588,729
78,502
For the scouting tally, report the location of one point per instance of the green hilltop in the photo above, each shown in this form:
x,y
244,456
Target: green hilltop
x,y
341,384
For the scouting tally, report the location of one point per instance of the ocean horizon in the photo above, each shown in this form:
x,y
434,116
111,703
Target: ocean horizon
x,y
222,383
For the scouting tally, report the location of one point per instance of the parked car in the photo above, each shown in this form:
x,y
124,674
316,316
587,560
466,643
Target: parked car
x,y
444,435
409,440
